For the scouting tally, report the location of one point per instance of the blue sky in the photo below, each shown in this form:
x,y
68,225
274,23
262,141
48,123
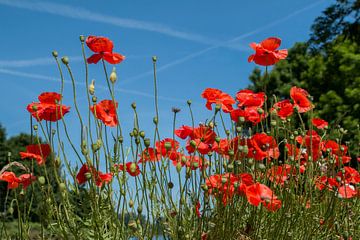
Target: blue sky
x,y
199,44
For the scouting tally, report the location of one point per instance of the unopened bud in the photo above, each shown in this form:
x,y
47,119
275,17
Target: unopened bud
x,y
113,76
170,185
131,203
147,142
65,60
92,87
55,54
167,146
41,180
154,58
189,102
178,167
82,38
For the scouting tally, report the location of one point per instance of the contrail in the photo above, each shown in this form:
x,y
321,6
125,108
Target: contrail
x,y
84,14
33,62
223,44
100,87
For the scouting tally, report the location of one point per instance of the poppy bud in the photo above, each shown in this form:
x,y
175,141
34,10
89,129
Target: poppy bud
x,y
189,102
217,107
241,119
131,203
120,139
296,132
204,187
178,167
139,209
231,153
227,132
142,134
273,123
22,193
183,159
260,110
57,162
34,107
155,120
113,76
217,139
82,38
230,167
137,141
292,137
211,124
154,59
41,180
193,143
92,87
133,105
132,167
132,224
245,149
94,99
62,187
238,129
195,164
251,161
223,180
35,127
261,166
65,60
147,142
10,210
55,54
167,146
170,185
135,132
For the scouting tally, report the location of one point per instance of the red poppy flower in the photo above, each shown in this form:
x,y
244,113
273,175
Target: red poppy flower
x,y
263,146
103,48
347,191
349,175
14,182
223,184
319,123
48,108
106,112
300,98
197,209
328,183
336,151
37,152
312,142
284,109
200,138
97,176
216,96
132,168
259,193
266,53
247,98
149,155
250,114
167,148
279,174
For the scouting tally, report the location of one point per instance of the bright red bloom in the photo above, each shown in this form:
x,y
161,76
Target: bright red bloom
x,y
14,182
197,209
336,151
37,152
250,114
300,98
284,109
266,53
350,175
224,185
312,142
130,167
97,176
263,146
200,138
149,155
347,191
216,96
48,108
259,193
247,98
319,123
103,48
279,174
171,150
106,112
325,182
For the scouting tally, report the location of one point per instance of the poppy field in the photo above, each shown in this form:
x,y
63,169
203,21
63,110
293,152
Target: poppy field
x,y
260,167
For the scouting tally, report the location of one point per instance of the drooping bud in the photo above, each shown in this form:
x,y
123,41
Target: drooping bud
x,y
65,60
113,75
55,54
92,87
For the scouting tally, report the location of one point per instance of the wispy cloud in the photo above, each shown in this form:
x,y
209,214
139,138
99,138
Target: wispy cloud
x,y
98,86
33,62
84,14
229,42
